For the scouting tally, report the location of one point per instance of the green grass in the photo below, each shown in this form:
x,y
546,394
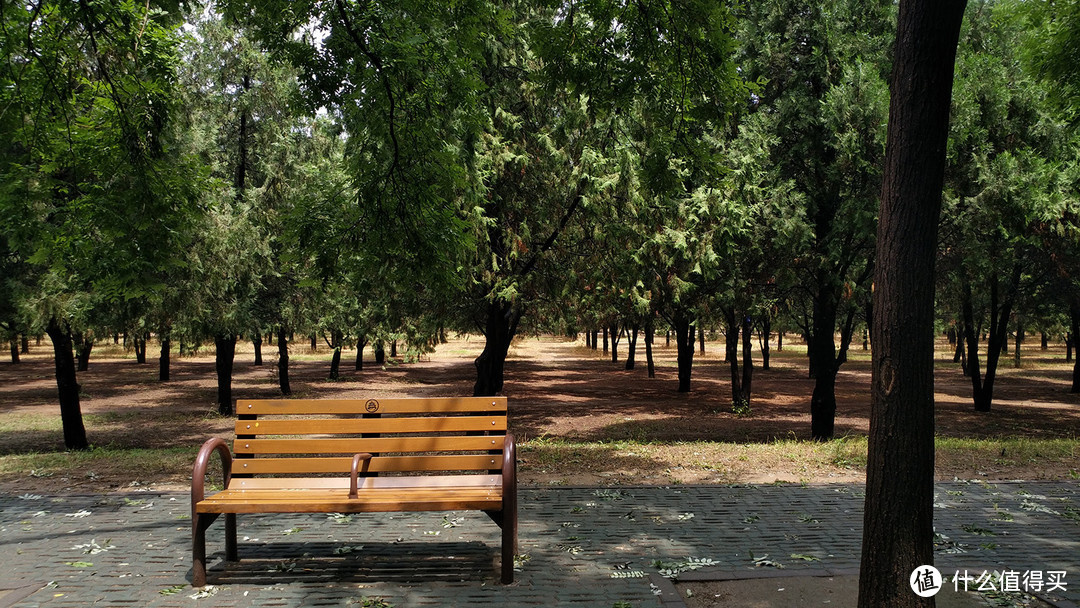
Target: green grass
x,y
138,464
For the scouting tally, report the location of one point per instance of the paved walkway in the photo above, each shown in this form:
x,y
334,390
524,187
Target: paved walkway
x,y
585,546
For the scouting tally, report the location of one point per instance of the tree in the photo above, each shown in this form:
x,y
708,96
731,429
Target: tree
x,y
824,67
898,513
94,199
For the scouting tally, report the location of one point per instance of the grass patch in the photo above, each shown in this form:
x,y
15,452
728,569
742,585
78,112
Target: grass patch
x,y
132,464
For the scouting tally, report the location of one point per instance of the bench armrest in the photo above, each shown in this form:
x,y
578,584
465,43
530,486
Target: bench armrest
x,y
364,456
202,462
509,470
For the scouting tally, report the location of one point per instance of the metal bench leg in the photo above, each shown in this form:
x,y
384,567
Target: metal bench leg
x,y
230,538
199,524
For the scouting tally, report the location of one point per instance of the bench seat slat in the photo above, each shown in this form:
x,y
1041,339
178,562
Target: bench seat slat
x,y
336,426
379,464
384,406
323,500
352,445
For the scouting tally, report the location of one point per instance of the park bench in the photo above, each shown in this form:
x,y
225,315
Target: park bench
x,y
360,456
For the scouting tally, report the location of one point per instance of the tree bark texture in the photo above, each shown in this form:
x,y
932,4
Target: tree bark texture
x,y
898,515
684,343
361,342
257,342
631,345
824,364
68,386
650,333
335,360
500,327
283,361
163,358
224,356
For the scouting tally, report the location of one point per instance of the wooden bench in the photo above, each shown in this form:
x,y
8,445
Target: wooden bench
x,y
356,456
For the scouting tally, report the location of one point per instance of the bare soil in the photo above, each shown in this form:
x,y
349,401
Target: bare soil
x,y
640,429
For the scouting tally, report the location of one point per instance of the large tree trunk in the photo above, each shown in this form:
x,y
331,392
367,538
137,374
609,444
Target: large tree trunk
x,y
684,342
68,386
225,353
631,345
824,363
283,361
898,525
500,327
163,360
257,342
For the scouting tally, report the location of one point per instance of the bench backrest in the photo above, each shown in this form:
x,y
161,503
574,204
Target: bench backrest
x,y
298,437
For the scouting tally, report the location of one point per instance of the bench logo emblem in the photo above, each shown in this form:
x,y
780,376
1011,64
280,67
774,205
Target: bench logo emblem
x,y
372,406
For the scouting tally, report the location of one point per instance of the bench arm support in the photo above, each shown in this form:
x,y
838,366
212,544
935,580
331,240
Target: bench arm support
x,y
356,469
202,462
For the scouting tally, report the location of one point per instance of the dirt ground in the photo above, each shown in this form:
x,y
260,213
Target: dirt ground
x,y
558,390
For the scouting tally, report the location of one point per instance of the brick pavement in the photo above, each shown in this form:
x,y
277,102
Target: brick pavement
x,y
586,546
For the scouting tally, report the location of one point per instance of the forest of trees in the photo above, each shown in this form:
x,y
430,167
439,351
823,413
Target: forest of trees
x,y
371,174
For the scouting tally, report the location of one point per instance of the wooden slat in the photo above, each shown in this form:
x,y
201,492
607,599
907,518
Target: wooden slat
x,y
374,445
337,501
371,425
379,464
370,406
424,481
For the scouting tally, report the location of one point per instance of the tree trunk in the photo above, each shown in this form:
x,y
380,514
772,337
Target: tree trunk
x,y
588,338
225,353
748,359
595,336
361,342
83,345
766,335
1044,341
731,354
631,345
605,340
26,345
823,360
701,339
684,342
983,389
140,348
650,333
780,341
1019,340
500,327
615,343
14,349
314,343
898,525
67,386
1069,346
283,361
1074,313
393,349
380,352
257,342
163,359
335,361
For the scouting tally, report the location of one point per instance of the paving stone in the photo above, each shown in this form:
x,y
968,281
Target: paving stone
x,y
587,546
